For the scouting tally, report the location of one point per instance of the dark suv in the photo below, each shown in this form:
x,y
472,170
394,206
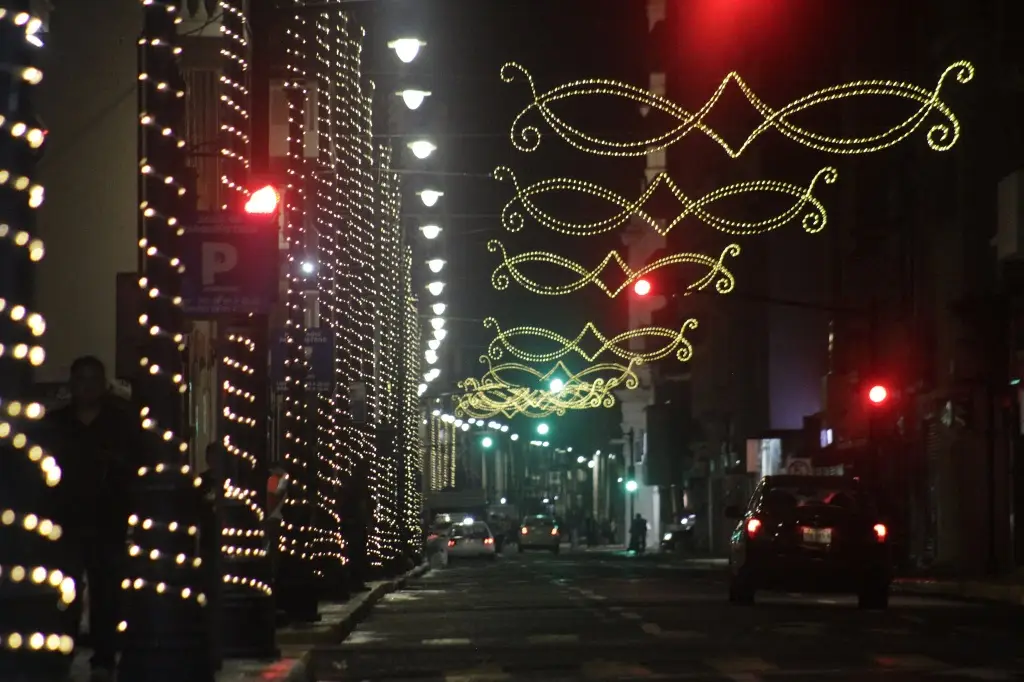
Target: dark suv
x,y
810,534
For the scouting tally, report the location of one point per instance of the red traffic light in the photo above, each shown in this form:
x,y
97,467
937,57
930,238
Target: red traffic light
x,y
642,287
877,394
263,201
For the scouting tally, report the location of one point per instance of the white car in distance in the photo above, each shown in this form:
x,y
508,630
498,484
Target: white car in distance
x,y
471,540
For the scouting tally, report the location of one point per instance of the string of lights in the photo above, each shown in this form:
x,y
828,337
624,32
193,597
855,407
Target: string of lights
x,y
234,104
717,274
390,318
411,445
941,136
298,569
677,343
806,207
164,637
32,595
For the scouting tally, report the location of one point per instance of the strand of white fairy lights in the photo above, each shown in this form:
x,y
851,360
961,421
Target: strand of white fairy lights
x,y
296,538
234,105
411,369
163,600
32,595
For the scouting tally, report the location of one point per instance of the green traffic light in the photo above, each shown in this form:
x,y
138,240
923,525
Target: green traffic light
x,y
487,442
631,486
543,429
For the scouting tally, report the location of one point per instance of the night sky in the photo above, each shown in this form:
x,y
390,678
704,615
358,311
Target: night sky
x,y
785,48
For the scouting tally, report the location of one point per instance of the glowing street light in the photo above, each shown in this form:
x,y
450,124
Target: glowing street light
x,y
438,308
430,356
406,48
430,231
308,268
433,344
413,98
436,265
421,149
439,334
421,389
514,436
556,386
429,197
437,322
435,288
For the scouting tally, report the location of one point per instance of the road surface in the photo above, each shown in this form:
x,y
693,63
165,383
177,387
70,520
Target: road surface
x,y
602,616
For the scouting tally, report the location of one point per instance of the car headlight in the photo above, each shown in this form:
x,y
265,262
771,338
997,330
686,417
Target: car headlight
x,y
667,536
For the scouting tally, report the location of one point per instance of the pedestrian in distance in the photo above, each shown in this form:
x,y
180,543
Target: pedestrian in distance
x,y
95,440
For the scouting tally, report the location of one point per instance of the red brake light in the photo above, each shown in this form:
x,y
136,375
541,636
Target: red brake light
x,y
263,201
488,541
524,530
753,527
554,531
881,532
451,543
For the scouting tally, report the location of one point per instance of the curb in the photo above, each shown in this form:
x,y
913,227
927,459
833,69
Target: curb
x,y
301,671
966,589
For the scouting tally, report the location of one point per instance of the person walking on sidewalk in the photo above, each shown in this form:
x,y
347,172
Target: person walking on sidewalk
x,y
95,440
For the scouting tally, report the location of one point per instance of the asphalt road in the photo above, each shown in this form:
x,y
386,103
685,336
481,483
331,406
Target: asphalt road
x,y
602,616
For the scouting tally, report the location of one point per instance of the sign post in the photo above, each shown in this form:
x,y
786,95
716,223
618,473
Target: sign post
x,y
231,263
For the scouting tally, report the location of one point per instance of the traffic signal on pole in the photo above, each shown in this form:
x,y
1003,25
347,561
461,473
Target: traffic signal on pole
x,y
264,201
878,394
642,287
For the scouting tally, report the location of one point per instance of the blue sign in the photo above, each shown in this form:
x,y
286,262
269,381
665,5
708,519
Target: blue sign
x,y
231,265
319,350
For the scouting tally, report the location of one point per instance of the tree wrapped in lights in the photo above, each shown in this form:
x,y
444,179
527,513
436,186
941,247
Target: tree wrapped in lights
x,y
443,435
941,136
806,207
234,108
297,578
411,448
388,328
33,641
249,622
164,623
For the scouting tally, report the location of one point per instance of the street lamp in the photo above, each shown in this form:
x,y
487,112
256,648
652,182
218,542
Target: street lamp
x,y
439,334
413,98
421,149
429,197
435,288
438,308
437,322
433,344
406,48
542,429
514,436
430,231
436,265
430,355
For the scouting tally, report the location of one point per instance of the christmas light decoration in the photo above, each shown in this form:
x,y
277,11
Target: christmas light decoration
x,y
163,600
617,345
807,208
234,104
496,392
717,272
411,453
33,640
940,137
299,539
443,435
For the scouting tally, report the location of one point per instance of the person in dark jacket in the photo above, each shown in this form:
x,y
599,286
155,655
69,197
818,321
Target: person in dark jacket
x,y
95,440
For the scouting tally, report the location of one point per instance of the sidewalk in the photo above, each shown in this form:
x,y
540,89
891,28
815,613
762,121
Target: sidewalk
x,y
297,642
1008,591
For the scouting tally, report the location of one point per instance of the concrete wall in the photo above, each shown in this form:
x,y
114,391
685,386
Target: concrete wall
x,y
88,103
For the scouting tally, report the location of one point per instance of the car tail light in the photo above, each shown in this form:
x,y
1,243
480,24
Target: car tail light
x,y
488,541
881,532
451,543
554,531
753,527
432,536
524,530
